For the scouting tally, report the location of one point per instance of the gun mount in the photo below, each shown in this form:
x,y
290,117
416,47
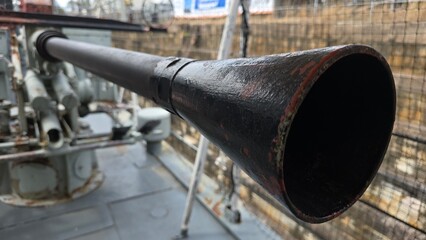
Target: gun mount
x,y
47,110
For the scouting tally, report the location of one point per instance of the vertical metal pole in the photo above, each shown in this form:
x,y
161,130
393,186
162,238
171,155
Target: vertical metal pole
x,y
135,105
18,79
74,120
200,159
224,49
135,108
236,171
315,7
121,94
228,31
243,51
122,11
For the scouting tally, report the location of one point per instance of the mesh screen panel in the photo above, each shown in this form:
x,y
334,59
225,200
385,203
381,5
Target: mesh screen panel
x,y
394,206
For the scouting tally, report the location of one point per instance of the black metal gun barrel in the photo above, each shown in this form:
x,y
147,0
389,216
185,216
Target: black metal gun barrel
x,y
117,65
311,127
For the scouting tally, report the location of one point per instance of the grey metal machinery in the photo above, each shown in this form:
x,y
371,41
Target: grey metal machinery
x,y
47,144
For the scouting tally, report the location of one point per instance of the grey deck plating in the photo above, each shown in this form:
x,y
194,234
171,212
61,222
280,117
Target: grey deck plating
x,y
139,199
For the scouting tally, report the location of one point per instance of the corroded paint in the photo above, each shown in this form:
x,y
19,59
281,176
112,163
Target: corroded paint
x,y
216,208
253,102
247,108
92,184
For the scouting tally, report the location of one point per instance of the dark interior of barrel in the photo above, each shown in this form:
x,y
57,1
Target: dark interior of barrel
x,y
339,135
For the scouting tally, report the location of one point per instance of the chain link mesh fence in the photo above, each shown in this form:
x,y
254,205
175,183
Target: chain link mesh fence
x,y
394,207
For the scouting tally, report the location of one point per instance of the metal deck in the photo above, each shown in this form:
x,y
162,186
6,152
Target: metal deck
x,y
139,199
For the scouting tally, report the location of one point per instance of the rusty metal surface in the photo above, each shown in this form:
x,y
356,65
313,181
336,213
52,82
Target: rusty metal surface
x,y
10,18
19,142
311,127
248,108
93,183
30,155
